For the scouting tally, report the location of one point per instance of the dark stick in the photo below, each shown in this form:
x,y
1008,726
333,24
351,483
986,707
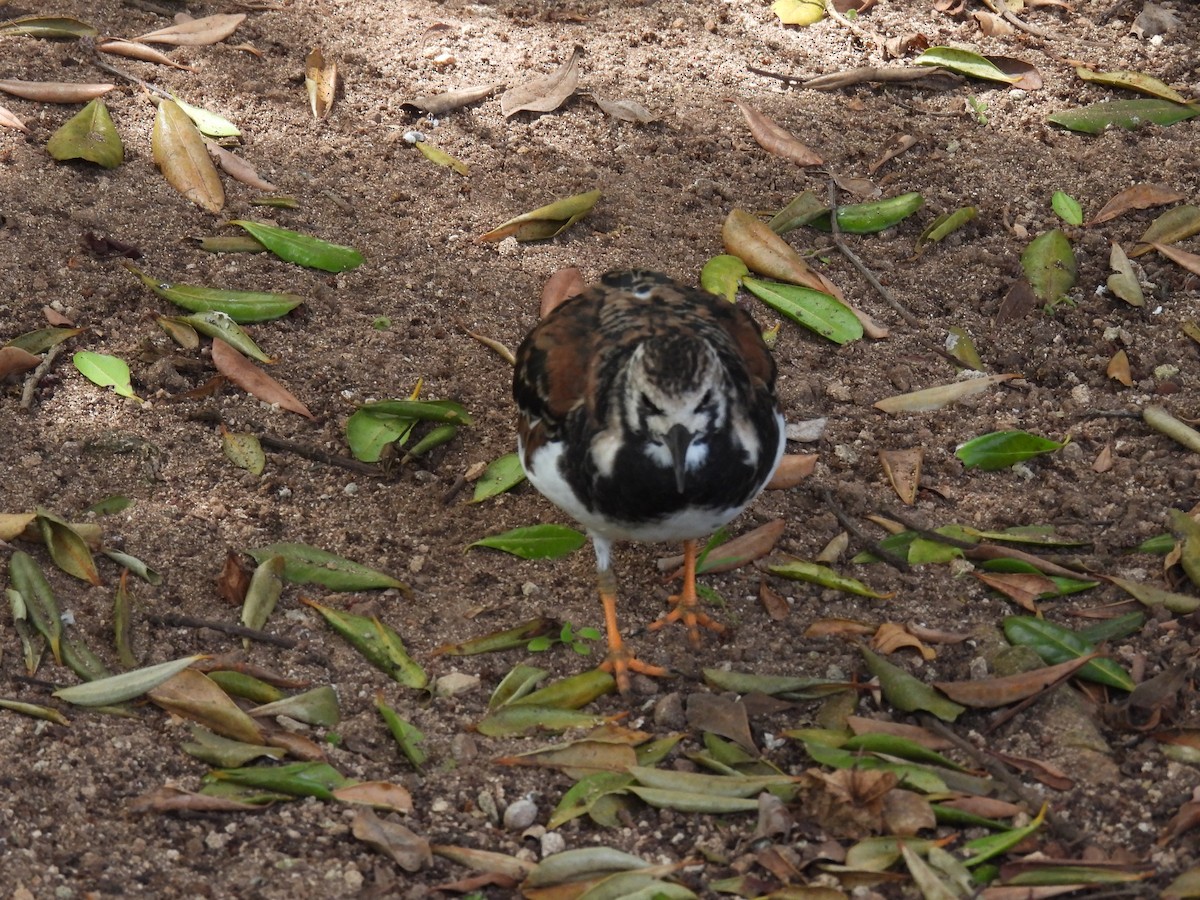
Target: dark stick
x,y
174,620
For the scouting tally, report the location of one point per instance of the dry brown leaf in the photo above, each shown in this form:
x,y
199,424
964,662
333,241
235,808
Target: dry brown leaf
x,y
1140,196
989,807
838,628
899,143
774,604
407,849
14,360
904,44
379,794
1023,588
560,287
915,733
134,50
54,91
906,812
1050,775
196,32
580,757
890,637
992,25
1118,368
54,317
1017,303
723,716
625,110
438,104
237,168
941,395
743,549
320,81
903,469
297,746
793,469
938,635
173,799
990,693
763,251
1104,459
1189,261
234,580
254,380
179,153
193,695
776,139
546,92
8,120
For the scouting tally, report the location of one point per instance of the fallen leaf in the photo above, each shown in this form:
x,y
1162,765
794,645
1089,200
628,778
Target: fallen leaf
x,y
1124,281
407,849
169,798
776,139
14,360
54,91
560,287
1118,370
992,25
89,134
793,469
254,380
439,104
1189,261
890,637
773,603
1133,81
134,50
625,110
899,143
723,716
196,32
236,167
939,396
1018,302
546,92
763,251
1104,460
1140,196
1023,588
180,154
320,81
8,120
545,221
903,469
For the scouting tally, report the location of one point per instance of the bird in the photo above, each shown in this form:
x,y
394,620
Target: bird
x,y
647,411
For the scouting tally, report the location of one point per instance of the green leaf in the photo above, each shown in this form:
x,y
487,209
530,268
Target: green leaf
x,y
799,12
868,218
305,564
502,474
440,157
110,505
946,224
1049,264
368,433
722,274
126,686
43,339
302,249
52,27
244,451
907,693
1056,644
1127,114
89,134
303,779
446,411
1001,449
241,306
546,221
208,123
69,551
801,209
815,310
964,62
1067,208
407,735
218,325
816,573
106,371
535,541
1131,81
377,642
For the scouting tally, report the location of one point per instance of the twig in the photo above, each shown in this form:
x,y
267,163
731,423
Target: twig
x,y
120,73
858,264
868,36
1001,773
174,620
851,526
1021,25
316,454
32,381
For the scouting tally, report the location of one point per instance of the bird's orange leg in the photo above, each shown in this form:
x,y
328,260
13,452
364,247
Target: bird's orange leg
x,y
620,662
685,607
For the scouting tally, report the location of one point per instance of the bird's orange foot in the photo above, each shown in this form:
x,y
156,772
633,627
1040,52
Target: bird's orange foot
x,y
693,618
620,662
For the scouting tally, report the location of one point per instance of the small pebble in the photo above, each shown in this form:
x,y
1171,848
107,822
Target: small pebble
x,y
520,814
552,842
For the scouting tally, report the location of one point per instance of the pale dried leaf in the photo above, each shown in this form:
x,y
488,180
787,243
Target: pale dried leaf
x,y
776,139
1118,368
793,469
625,110
890,637
561,286
1104,460
409,850
237,168
134,50
254,380
1189,261
438,104
179,153
8,120
1140,196
903,469
196,32
14,360
320,81
992,25
546,92
939,396
54,91
900,143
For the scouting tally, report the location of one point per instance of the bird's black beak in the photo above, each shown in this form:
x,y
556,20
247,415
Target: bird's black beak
x,y
678,441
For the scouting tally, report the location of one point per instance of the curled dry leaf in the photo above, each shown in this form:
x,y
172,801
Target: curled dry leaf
x,y
890,637
546,92
776,139
903,469
236,167
196,32
14,360
559,288
1140,196
320,81
134,50
254,380
793,469
742,550
54,91
1118,368
763,251
989,693
992,25
438,104
1124,282
941,395
901,143
1189,261
8,120
179,153
773,603
1104,460
625,110
407,849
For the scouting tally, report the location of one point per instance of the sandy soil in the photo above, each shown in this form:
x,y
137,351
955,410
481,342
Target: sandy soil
x,y
65,825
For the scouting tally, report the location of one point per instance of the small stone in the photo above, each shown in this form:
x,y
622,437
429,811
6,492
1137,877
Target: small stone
x,y
520,814
454,683
463,748
668,712
487,805
552,842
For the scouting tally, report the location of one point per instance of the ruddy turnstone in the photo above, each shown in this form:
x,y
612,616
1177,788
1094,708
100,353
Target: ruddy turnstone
x,y
648,413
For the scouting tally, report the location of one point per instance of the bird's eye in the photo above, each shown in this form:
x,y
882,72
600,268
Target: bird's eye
x,y
706,402
648,408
